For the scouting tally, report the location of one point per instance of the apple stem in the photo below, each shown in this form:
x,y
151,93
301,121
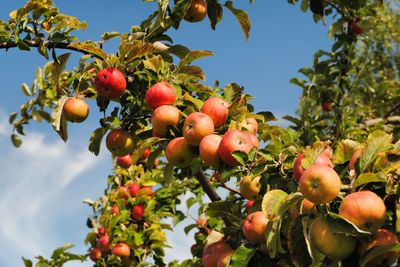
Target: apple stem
x,y
205,184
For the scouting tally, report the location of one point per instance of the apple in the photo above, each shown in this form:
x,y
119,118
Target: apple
x,y
213,253
320,184
103,243
162,93
123,192
234,140
197,126
208,149
121,250
355,27
255,226
146,153
75,109
354,158
308,207
148,190
249,204
224,259
179,153
162,117
250,188
137,212
119,142
125,161
115,210
335,245
249,124
217,109
323,159
95,254
110,83
254,140
381,238
365,209
327,106
201,221
133,189
197,11
101,231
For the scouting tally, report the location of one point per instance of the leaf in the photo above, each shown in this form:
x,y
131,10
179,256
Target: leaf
x,y
155,63
57,252
57,120
196,102
242,18
225,209
108,35
179,11
141,49
345,151
95,140
378,142
23,46
242,256
214,12
299,82
12,117
366,178
272,203
168,173
27,263
379,250
194,55
342,225
26,90
240,157
194,73
317,7
297,244
179,51
90,49
58,67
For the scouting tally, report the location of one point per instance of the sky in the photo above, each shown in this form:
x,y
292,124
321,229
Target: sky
x,y
43,183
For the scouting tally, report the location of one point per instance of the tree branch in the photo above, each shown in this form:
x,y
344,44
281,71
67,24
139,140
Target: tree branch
x,y
49,45
205,184
231,189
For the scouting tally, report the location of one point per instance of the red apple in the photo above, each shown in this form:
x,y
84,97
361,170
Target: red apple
x,y
101,231
324,159
119,142
224,259
197,126
179,153
255,226
148,190
133,189
249,124
95,254
327,106
320,184
354,158
115,210
217,109
254,140
123,192
162,93
162,117
208,149
75,110
201,221
121,250
137,212
234,140
213,253
355,27
110,83
146,154
125,161
249,204
103,243
197,11
365,209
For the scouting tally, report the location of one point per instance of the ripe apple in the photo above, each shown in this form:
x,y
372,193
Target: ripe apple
x,y
125,161
255,226
197,11
320,184
110,83
335,245
234,140
249,204
101,231
308,207
179,153
381,238
224,259
148,190
119,142
133,189
123,192
162,117
75,109
115,210
250,188
327,106
365,209
254,140
354,158
197,126
201,221
162,93
121,250
217,109
324,159
208,149
213,253
146,153
95,254
137,212
355,27
103,243
249,124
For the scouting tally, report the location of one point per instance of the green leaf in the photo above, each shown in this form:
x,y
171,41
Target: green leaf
x,y
297,244
366,178
95,140
179,51
179,11
345,151
155,63
140,49
241,157
12,118
89,48
272,203
190,73
214,12
58,67
26,90
226,209
27,263
23,46
168,173
194,55
242,256
108,35
242,18
317,7
189,227
379,250
58,251
58,122
196,102
342,225
378,142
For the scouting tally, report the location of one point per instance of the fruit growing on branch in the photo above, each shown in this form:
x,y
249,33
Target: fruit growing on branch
x,y
137,212
124,161
208,149
180,153
103,243
162,117
234,140
75,110
324,159
255,226
197,11
119,142
197,126
250,187
250,125
110,83
162,93
212,253
217,109
95,254
121,250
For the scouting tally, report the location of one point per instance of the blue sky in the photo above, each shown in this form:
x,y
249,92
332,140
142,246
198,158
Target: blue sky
x,y
43,182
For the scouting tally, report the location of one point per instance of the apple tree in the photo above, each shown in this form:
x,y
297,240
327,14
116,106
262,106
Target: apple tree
x,y
322,192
